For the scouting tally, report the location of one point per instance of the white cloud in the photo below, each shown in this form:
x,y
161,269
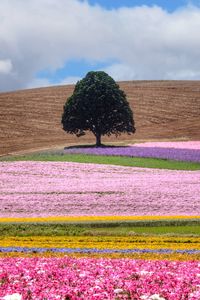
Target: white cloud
x,y
38,82
5,66
45,82
70,80
121,71
146,42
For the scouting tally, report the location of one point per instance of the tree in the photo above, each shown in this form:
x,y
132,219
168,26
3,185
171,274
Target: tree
x,y
98,105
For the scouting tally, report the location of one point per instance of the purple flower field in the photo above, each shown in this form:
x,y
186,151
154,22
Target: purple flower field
x,y
181,151
29,189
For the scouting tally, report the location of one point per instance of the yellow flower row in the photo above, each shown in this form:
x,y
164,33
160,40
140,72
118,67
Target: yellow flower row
x,y
103,242
149,256
95,218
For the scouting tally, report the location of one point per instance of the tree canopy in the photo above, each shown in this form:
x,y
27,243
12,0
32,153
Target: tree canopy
x,y
97,105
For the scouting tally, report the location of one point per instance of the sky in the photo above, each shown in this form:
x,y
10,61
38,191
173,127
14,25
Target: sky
x,y
53,42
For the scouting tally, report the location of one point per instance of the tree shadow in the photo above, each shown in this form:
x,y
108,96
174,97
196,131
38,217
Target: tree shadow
x,y
93,146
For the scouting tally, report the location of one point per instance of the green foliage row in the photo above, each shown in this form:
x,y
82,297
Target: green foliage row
x,y
112,160
175,227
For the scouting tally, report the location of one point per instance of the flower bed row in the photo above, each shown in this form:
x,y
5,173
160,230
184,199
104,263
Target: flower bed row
x,y
95,250
181,256
192,145
114,243
42,189
97,279
182,151
90,219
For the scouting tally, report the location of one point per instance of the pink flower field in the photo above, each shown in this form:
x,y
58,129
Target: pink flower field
x,y
193,145
30,189
98,279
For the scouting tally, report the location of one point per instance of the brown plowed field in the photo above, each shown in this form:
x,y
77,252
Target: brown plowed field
x,y
30,119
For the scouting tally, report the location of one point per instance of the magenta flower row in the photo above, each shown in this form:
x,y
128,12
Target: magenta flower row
x,y
97,279
62,189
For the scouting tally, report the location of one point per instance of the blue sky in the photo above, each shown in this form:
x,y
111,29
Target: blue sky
x,y
51,42
169,5
73,68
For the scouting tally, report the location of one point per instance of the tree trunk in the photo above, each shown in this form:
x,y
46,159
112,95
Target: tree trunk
x,y
98,140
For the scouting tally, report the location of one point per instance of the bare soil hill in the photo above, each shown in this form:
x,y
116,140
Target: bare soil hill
x,y
30,119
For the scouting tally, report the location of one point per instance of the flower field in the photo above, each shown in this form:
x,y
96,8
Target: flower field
x,y
192,145
182,151
83,219
86,250
84,278
42,189
103,244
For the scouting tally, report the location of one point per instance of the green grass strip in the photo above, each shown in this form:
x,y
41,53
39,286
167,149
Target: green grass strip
x,y
97,229
111,160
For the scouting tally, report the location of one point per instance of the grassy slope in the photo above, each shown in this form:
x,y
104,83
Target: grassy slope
x,y
65,229
113,160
